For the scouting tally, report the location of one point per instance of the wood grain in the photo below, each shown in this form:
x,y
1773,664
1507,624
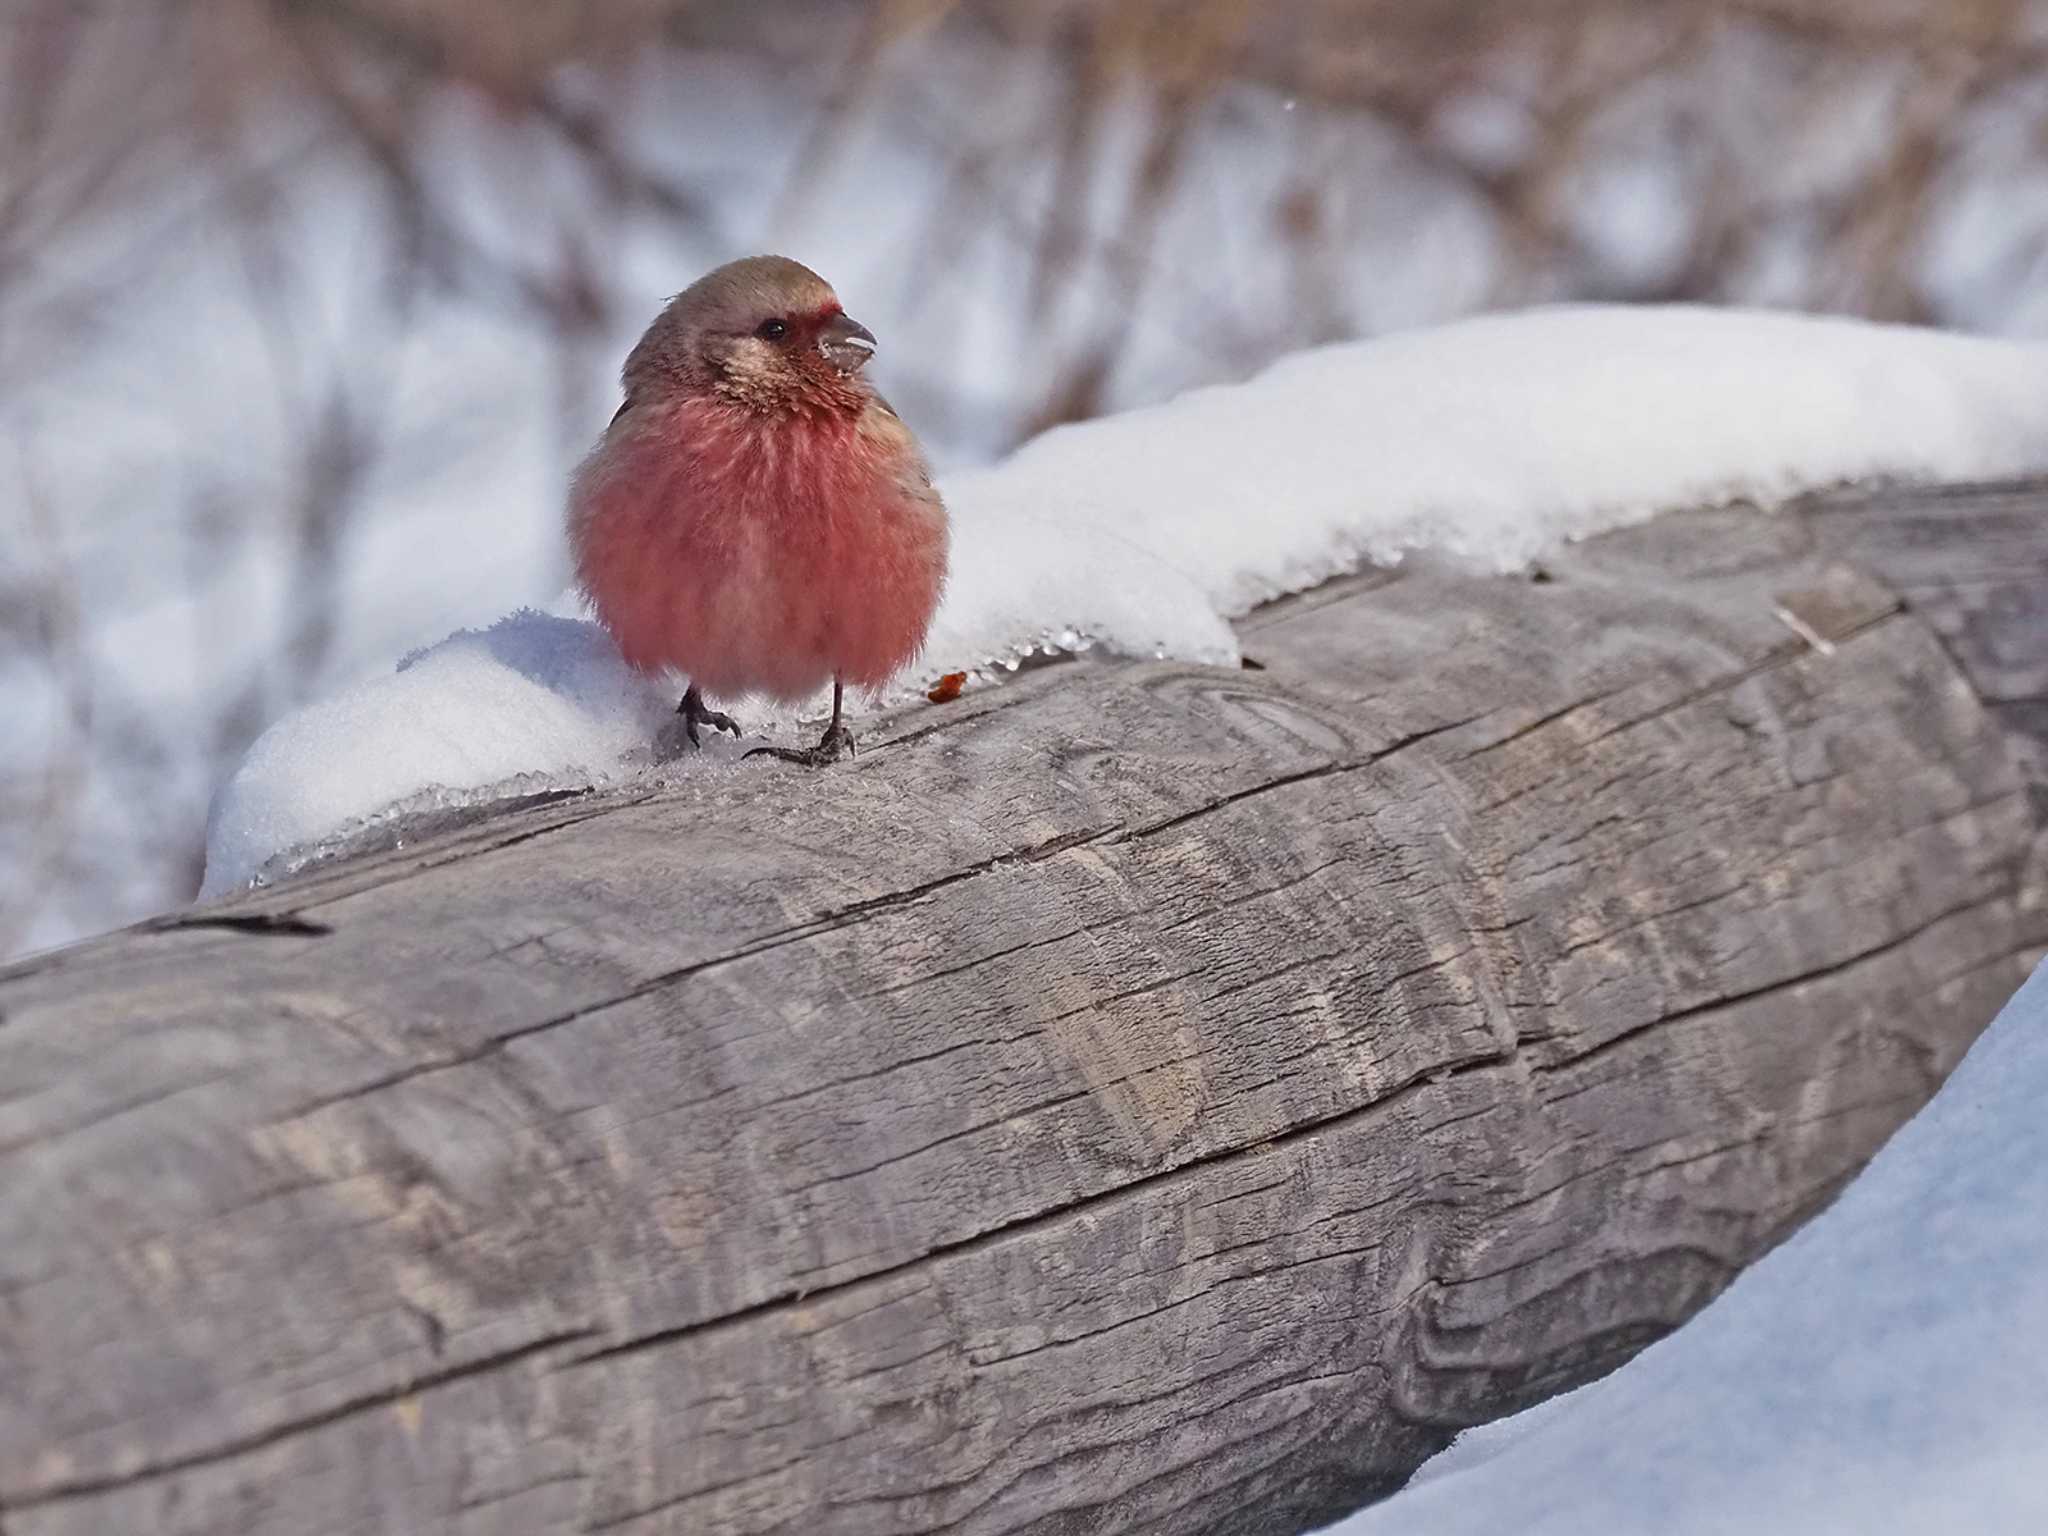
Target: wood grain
x,y
1141,1098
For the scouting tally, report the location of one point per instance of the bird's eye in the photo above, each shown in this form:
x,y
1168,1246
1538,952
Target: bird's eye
x,y
771,330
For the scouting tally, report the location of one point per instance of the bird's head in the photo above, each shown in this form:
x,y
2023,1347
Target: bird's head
x,y
766,332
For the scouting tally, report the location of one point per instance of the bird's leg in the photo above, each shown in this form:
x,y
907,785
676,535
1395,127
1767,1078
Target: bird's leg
x,y
696,712
837,742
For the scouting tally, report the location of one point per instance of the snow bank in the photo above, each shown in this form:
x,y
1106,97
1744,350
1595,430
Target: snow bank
x,y
1144,533
1885,1371
533,702
1491,438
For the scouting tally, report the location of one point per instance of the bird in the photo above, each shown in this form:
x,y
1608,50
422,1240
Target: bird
x,y
756,516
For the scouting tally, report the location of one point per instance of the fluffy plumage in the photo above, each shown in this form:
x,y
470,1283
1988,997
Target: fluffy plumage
x,y
756,516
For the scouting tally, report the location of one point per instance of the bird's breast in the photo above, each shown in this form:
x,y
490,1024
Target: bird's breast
x,y
762,554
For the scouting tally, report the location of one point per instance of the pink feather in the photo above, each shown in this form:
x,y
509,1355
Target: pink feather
x,y
758,552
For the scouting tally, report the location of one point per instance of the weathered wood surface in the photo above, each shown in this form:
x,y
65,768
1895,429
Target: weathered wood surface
x,y
1137,1099
1974,565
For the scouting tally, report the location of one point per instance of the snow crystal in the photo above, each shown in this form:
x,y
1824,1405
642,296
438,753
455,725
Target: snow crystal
x,y
1884,1371
1144,533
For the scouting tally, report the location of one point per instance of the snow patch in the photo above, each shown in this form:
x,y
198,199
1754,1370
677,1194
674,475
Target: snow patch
x,y
1492,439
534,702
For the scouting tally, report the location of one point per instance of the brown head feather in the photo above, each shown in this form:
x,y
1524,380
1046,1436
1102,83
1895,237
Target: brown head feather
x,y
708,339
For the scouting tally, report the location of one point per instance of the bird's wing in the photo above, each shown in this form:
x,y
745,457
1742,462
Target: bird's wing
x,y
880,420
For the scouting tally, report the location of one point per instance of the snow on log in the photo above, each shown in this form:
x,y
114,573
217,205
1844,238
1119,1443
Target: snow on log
x,y
1143,1097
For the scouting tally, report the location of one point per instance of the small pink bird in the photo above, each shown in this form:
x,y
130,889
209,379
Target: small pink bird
x,y
756,516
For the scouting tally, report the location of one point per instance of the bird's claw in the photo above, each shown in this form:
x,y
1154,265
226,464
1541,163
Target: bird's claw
x,y
694,714
835,744
718,720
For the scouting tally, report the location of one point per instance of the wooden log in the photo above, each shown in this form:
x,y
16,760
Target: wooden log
x,y
1141,1098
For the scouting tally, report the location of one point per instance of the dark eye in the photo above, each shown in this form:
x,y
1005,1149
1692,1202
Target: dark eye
x,y
771,330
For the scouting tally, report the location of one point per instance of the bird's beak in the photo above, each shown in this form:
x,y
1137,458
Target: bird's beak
x,y
846,343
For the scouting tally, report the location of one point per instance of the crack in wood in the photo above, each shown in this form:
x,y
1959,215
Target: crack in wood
x,y
926,978
1139,1187
1289,780
1609,1046
258,924
368,1402
810,928
1564,712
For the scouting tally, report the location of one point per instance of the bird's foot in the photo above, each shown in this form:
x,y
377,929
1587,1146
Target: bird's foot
x,y
836,743
695,713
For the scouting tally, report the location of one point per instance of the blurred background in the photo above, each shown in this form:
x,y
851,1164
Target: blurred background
x,y
308,307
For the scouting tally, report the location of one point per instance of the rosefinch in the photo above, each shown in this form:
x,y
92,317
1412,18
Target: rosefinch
x,y
756,516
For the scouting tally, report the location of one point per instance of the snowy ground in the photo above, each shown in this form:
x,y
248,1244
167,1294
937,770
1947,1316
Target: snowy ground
x,y
1145,533
1884,1373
